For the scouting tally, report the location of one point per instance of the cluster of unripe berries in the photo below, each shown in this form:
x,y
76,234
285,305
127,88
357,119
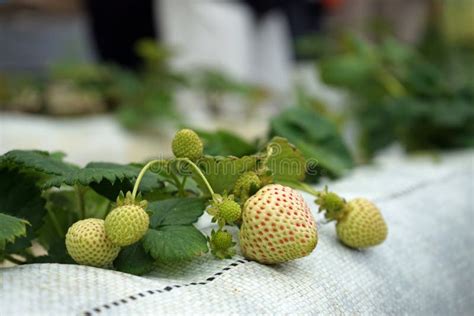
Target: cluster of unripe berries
x,y
276,224
97,242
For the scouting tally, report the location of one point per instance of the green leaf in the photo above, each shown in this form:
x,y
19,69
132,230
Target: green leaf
x,y
10,228
326,160
316,137
179,211
175,243
36,160
222,172
133,259
150,180
64,209
62,212
224,143
19,197
108,179
287,163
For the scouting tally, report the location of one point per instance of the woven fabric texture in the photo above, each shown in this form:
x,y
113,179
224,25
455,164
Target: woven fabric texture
x,y
426,266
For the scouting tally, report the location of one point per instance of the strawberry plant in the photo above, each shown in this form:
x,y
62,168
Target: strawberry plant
x,y
133,217
419,98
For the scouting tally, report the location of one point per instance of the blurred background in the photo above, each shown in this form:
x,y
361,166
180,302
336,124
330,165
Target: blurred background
x,y
341,79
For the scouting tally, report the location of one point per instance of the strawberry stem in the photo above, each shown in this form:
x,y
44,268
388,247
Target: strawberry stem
x,y
80,200
329,202
151,163
142,174
300,186
199,172
55,222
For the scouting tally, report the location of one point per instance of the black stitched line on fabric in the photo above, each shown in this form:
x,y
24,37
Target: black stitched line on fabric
x,y
169,288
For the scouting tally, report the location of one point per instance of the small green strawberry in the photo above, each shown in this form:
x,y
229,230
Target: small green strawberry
x,y
359,222
87,243
229,211
128,222
246,185
187,144
221,244
224,210
277,226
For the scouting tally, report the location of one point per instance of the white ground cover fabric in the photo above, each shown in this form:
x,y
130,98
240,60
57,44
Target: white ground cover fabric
x,y
425,267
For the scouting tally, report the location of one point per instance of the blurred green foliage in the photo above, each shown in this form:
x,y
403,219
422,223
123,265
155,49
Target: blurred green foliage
x,y
317,138
421,98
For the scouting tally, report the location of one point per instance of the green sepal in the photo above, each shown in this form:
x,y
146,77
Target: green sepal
x,y
128,199
332,204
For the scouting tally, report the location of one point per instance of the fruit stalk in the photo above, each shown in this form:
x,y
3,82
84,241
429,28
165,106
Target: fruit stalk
x,y
199,172
151,163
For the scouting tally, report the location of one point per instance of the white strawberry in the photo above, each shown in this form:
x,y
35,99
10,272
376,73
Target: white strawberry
x,y
277,226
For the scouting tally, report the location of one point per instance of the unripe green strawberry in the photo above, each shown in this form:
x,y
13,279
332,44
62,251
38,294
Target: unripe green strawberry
x,y
224,210
246,185
126,224
87,243
359,222
222,240
221,243
187,144
277,226
363,226
229,211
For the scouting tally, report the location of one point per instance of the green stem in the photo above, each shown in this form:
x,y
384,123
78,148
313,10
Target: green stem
x,y
142,174
55,222
301,186
151,163
176,181
308,189
181,186
80,201
199,172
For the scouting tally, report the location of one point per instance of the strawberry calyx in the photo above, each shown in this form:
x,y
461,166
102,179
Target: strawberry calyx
x,y
333,206
129,199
